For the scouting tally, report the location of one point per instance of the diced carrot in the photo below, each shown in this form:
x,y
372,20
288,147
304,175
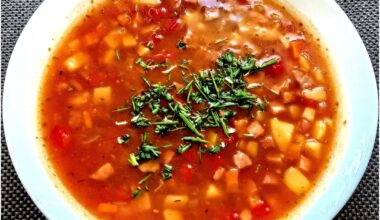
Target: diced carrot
x,y
294,151
241,125
232,180
91,38
167,156
275,158
218,173
296,48
213,192
107,208
255,129
87,119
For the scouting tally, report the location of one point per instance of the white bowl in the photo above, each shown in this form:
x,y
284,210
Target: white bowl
x,y
352,67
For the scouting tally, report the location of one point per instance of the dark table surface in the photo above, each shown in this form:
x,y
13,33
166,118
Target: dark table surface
x,y
16,204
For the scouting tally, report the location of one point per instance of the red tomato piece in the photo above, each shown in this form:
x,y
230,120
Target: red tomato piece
x,y
171,25
61,136
232,139
261,210
156,38
212,161
275,70
186,173
96,79
191,155
160,57
158,13
309,102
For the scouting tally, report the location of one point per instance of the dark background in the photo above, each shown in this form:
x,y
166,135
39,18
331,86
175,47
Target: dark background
x,y
16,204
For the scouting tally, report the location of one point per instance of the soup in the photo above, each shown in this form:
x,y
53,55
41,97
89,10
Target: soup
x,y
164,109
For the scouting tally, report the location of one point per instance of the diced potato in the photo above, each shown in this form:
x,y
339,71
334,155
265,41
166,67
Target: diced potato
x,y
271,179
171,214
245,214
87,121
113,39
296,181
213,192
218,173
255,129
294,111
141,203
79,99
102,95
148,2
275,158
74,44
309,114
260,116
142,50
232,180
282,133
241,160
212,138
109,56
251,148
313,148
175,201
276,108
149,166
304,62
319,130
129,40
294,151
124,19
317,94
305,164
288,97
105,171
91,38
107,208
241,125
167,156
76,61
318,75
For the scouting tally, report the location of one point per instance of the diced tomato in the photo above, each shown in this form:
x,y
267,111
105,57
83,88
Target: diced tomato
x,y
160,57
186,173
158,13
61,136
156,38
97,79
171,25
309,102
261,210
212,161
243,2
275,70
191,155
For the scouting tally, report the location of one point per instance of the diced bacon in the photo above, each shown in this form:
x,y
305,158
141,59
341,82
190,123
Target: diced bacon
x,y
304,80
242,160
255,129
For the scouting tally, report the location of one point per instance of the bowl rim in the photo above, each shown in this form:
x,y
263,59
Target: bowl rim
x,y
61,210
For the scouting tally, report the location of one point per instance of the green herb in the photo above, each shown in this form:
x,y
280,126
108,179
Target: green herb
x,y
268,63
248,135
140,62
181,45
140,121
214,149
117,55
194,139
184,64
145,151
182,148
123,139
121,109
166,174
136,192
149,44
201,151
143,180
133,160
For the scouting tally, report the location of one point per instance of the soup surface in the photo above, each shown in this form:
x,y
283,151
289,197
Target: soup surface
x,y
169,109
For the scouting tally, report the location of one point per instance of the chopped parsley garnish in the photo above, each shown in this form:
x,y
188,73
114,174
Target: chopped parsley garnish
x,y
166,174
145,152
181,45
149,44
214,149
182,148
194,139
136,193
117,55
123,139
143,180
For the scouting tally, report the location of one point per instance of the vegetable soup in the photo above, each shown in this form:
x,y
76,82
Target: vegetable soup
x,y
192,109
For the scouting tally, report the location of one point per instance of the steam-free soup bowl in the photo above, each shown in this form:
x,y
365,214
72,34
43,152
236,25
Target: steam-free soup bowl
x,y
350,65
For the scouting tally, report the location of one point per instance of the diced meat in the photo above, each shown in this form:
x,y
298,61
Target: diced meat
x,y
242,160
304,80
255,129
